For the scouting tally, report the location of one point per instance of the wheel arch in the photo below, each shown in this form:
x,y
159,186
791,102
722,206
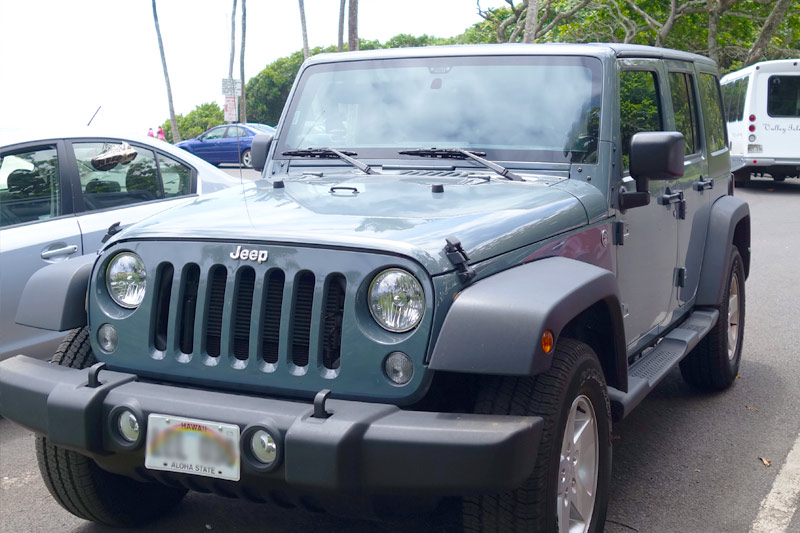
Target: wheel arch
x,y
495,326
729,225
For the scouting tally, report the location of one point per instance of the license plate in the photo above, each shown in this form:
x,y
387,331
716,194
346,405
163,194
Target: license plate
x,y
190,446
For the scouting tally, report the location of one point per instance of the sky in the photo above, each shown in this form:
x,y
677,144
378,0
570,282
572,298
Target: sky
x,y
61,60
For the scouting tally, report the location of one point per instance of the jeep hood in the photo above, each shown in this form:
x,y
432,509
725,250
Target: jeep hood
x,y
387,213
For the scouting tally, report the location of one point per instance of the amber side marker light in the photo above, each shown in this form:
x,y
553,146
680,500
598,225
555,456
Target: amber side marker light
x,y
547,341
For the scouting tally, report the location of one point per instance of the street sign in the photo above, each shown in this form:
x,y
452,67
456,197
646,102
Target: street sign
x,y
231,87
231,108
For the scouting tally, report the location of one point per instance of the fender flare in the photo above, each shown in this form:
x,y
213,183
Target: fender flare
x,y
726,215
55,296
495,325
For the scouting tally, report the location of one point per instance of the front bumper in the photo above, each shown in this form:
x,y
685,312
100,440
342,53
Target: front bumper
x,y
361,448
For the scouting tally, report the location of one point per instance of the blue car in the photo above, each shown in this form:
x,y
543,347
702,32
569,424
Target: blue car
x,y
226,143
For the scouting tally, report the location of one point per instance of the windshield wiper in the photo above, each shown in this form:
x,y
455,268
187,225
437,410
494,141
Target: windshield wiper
x,y
460,153
333,153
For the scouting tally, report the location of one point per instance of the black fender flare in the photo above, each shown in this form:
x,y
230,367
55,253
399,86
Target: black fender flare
x,y
55,296
495,326
727,214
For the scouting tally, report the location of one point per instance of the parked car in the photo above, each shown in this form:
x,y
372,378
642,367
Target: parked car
x,y
226,144
762,108
460,266
60,194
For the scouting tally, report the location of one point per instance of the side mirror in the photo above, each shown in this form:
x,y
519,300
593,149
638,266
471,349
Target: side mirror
x,y
260,149
655,155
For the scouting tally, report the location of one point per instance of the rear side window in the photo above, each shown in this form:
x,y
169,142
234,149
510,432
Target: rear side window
x,y
684,106
783,98
712,113
640,109
176,176
126,183
29,186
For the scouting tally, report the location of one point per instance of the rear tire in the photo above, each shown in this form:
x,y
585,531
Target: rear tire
x,y
714,362
247,159
742,178
83,488
570,481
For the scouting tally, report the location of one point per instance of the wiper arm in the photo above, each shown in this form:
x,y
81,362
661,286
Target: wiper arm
x,y
333,153
460,153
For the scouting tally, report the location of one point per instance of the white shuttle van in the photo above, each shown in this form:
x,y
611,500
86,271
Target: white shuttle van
x,y
762,108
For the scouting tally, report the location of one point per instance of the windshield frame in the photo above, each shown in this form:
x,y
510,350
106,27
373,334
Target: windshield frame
x,y
591,62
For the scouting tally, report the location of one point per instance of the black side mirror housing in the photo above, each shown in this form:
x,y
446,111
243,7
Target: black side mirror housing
x,y
655,155
260,149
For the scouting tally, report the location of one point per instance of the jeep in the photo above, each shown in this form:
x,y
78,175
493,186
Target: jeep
x,y
459,267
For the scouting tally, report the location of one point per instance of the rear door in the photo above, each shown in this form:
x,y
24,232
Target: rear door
x,y
37,228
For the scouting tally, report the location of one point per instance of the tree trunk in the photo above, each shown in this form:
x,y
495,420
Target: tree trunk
x,y
767,32
531,21
341,25
352,26
176,136
233,39
305,30
713,29
243,97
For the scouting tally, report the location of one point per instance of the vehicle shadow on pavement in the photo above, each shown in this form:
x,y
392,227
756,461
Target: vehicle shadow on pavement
x,y
770,186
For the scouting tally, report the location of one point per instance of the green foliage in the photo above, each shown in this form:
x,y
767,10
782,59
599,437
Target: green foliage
x,y
196,122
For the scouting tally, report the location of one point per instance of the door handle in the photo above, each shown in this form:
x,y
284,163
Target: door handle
x,y
67,250
702,184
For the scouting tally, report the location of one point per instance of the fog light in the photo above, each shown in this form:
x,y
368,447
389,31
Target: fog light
x,y
128,425
107,338
399,368
264,447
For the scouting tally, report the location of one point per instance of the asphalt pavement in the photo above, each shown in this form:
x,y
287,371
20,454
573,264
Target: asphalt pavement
x,y
684,461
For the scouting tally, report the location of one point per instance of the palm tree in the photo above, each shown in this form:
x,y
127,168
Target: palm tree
x,y
233,39
352,26
176,136
243,102
305,31
341,25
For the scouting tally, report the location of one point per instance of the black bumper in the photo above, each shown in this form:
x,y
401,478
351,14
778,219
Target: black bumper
x,y
362,447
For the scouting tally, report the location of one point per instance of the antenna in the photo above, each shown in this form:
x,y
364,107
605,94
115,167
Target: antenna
x,y
95,114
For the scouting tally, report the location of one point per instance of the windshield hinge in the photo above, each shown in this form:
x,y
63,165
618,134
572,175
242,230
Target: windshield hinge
x,y
456,254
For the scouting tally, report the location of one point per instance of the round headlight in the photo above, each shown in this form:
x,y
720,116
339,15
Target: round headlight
x,y
396,300
126,280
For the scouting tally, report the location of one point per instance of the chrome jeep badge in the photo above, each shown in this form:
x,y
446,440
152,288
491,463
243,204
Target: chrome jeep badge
x,y
250,255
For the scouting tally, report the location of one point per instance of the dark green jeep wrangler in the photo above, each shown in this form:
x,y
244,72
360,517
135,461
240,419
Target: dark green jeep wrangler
x,y
459,266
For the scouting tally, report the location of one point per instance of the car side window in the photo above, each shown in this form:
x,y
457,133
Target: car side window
x,y
684,106
640,108
177,177
214,134
125,183
235,131
29,186
712,113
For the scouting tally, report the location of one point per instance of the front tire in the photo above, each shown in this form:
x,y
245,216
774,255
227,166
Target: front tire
x,y
83,488
714,362
247,159
568,488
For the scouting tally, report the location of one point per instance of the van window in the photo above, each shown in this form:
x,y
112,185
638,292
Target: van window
x,y
684,106
733,94
712,113
640,108
783,98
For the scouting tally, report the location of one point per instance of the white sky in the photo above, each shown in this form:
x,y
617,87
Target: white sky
x,y
61,59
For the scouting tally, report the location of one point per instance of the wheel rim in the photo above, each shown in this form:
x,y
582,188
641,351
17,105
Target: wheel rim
x,y
578,468
733,316
246,158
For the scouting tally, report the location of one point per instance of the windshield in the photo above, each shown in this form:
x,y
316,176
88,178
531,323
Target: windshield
x,y
529,108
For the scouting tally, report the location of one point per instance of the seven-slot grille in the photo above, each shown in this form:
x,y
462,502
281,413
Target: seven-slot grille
x,y
245,310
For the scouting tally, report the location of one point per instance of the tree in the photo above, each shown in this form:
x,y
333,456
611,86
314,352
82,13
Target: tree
x,y
197,121
546,16
233,39
352,26
243,97
340,46
173,122
305,30
759,48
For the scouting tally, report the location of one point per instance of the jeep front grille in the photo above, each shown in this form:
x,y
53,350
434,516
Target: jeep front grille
x,y
239,292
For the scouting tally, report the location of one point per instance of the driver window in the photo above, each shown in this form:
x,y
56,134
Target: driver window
x,y
217,133
640,108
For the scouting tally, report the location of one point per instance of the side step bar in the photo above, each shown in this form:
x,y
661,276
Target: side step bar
x,y
654,365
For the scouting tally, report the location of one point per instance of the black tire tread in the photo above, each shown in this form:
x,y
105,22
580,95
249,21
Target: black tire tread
x,y
83,488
